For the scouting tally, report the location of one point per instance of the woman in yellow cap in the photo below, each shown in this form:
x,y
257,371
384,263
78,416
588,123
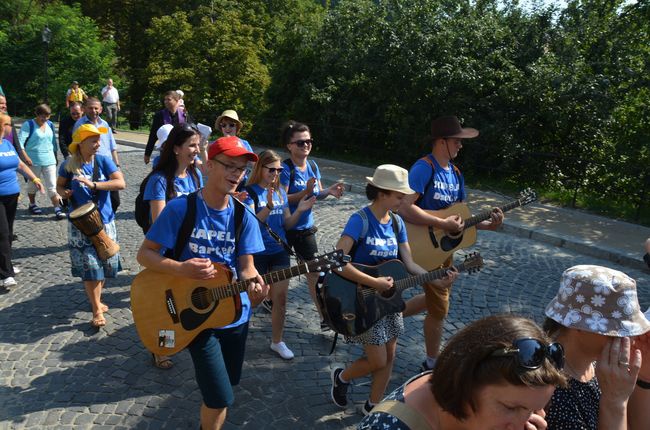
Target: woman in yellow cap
x,y
86,177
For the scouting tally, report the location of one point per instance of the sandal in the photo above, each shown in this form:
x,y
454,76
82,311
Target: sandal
x,y
162,361
35,210
98,320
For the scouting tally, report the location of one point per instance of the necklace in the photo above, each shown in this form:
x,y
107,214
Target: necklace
x,y
570,371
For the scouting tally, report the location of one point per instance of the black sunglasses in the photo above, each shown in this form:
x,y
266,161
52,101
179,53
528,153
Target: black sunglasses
x,y
301,143
529,353
274,169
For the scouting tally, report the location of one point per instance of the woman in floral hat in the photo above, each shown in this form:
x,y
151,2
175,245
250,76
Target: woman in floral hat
x,y
606,338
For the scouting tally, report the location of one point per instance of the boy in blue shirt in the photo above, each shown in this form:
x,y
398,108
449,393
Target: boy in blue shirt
x,y
217,353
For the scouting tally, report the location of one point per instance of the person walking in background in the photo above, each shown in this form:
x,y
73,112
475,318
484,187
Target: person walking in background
x,y
37,138
75,94
111,103
228,124
87,176
9,191
66,125
438,184
108,146
169,115
270,203
301,178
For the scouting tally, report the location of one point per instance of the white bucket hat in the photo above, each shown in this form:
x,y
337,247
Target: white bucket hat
x,y
598,300
163,134
391,178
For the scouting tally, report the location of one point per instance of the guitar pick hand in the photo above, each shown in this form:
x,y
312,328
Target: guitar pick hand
x,y
198,268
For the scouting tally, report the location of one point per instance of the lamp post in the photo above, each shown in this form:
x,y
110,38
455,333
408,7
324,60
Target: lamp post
x,y
46,36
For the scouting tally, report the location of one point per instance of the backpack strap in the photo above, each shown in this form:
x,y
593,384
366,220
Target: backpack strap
x,y
427,159
405,413
253,195
239,222
30,124
95,178
397,228
292,172
364,231
186,227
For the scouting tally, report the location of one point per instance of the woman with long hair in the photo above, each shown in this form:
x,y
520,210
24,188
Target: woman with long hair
x,y
175,174
270,203
85,177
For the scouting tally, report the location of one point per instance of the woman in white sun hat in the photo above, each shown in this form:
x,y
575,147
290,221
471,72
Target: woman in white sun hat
x,y
385,189
597,319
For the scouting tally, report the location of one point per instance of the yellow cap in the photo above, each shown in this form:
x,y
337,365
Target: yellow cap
x,y
84,132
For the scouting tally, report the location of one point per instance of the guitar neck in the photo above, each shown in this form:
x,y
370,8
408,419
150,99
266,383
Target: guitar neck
x,y
413,281
230,290
480,217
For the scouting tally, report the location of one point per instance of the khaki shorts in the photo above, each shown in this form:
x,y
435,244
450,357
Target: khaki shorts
x,y
437,299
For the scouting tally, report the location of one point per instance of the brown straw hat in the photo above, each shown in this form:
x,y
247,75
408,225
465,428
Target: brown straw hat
x,y
449,126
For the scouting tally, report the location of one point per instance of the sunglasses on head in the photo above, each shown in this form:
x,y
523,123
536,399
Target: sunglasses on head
x,y
301,143
530,353
274,169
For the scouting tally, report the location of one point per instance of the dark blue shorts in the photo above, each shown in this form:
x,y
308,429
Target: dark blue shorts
x,y
270,262
218,356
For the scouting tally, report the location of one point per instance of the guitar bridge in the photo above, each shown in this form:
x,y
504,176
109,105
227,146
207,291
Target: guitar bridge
x,y
171,306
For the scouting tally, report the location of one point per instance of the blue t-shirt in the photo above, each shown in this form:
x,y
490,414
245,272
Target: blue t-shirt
x,y
445,186
156,188
41,147
300,183
8,166
213,237
380,243
107,141
275,220
82,194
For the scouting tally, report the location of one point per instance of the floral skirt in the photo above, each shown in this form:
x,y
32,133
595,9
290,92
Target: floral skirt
x,y
390,326
83,257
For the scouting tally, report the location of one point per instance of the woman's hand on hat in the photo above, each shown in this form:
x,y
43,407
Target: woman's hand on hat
x,y
642,343
617,371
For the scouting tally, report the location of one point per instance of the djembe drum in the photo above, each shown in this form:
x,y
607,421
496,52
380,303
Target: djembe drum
x,y
88,220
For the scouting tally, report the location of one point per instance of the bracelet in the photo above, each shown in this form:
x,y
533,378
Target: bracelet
x,y
643,384
36,180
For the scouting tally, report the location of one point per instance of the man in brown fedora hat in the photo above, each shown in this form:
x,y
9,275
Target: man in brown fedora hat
x,y
438,184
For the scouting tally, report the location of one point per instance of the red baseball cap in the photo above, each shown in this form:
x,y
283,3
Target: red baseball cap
x,y
230,146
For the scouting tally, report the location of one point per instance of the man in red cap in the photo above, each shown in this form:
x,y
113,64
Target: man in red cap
x,y
217,353
439,184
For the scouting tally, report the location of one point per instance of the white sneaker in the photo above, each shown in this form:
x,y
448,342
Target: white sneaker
x,y
282,350
11,282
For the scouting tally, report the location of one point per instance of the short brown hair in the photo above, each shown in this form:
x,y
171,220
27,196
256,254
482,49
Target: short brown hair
x,y
43,109
172,94
466,364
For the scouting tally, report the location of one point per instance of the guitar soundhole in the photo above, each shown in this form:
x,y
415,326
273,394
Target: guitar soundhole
x,y
201,299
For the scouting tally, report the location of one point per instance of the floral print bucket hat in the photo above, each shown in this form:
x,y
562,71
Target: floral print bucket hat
x,y
598,300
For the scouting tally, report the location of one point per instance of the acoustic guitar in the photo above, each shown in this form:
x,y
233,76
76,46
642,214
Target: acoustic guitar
x,y
431,246
351,309
170,311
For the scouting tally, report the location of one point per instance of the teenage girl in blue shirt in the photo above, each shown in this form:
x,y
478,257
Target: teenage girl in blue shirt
x,y
273,208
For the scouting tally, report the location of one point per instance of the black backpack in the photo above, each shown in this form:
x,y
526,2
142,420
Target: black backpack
x,y
142,206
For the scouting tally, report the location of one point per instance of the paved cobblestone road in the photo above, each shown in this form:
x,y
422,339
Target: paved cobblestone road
x,y
56,372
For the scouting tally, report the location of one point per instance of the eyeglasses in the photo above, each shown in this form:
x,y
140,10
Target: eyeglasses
x,y
226,125
231,168
274,169
529,353
301,143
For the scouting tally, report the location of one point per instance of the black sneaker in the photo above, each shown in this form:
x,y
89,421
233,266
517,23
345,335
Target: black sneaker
x,y
339,389
267,304
366,408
